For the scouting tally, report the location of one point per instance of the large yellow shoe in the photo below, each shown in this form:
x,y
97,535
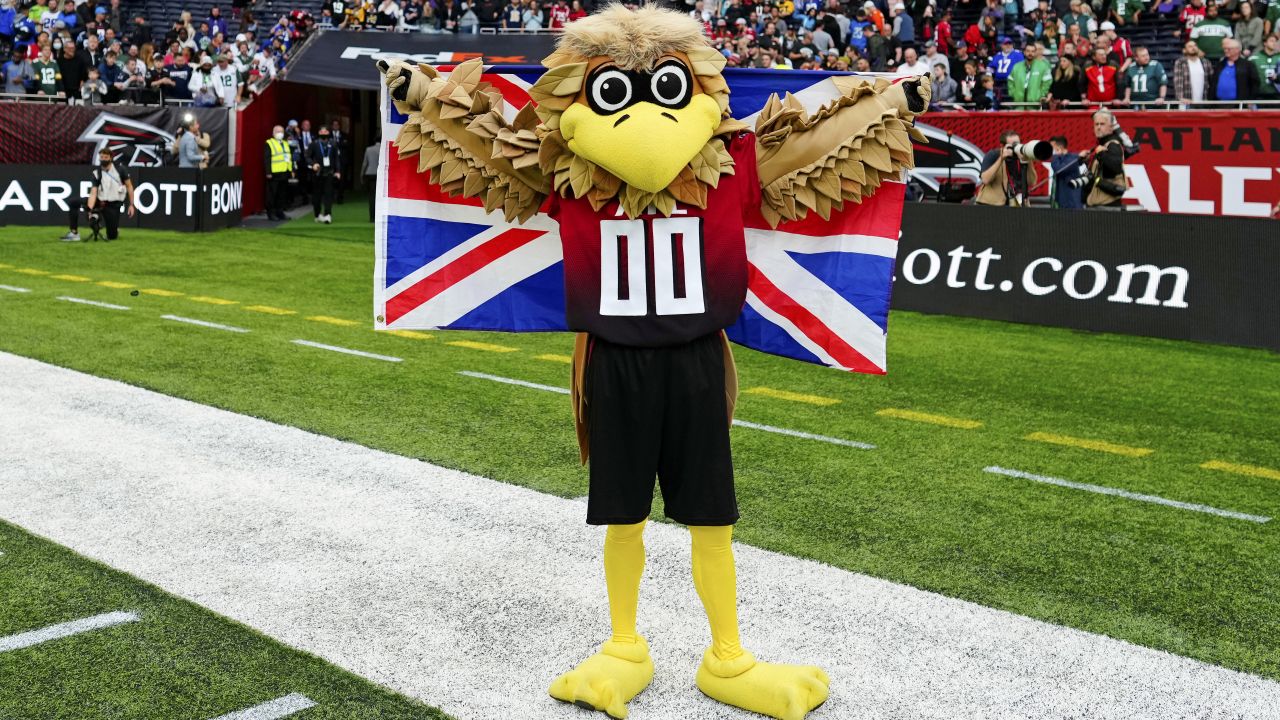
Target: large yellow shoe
x,y
785,692
609,679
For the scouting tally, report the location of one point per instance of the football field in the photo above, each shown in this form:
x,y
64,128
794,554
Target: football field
x,y
1052,481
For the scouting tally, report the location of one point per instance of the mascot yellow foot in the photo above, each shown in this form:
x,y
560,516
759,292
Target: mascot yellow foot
x,y
609,679
786,692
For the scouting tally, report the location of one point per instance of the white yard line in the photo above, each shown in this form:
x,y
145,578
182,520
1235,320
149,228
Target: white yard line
x,y
273,709
15,288
512,381
66,629
348,351
1101,490
204,323
95,303
471,594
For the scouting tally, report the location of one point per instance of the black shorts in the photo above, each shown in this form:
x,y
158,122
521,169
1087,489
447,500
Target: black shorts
x,y
659,411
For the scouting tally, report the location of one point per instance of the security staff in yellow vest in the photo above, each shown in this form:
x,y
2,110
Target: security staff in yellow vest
x,y
1005,175
278,163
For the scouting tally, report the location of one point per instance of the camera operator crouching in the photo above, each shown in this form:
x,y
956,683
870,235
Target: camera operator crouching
x,y
112,187
1106,164
1009,171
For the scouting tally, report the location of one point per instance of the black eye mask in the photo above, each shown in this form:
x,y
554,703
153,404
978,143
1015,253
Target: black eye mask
x,y
611,89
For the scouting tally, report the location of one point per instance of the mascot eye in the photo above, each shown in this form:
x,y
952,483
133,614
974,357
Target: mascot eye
x,y
670,85
610,91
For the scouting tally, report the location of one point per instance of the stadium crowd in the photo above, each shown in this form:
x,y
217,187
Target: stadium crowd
x,y
94,53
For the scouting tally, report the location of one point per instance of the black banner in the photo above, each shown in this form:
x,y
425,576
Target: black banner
x,y
138,136
165,198
344,59
1187,278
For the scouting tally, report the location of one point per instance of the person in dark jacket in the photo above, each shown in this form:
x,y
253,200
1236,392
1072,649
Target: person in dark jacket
x,y
1067,87
1234,77
74,70
1067,177
1106,164
325,160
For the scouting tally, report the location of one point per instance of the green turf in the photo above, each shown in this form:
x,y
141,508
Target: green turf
x,y
919,509
178,662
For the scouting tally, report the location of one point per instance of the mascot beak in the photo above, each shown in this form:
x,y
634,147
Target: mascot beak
x,y
644,144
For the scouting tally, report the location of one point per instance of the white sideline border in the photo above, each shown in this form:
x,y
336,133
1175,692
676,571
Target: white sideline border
x,y
272,709
66,629
1103,490
15,289
204,323
348,351
94,303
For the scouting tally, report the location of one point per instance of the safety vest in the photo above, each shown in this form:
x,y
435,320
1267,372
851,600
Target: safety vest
x,y
281,157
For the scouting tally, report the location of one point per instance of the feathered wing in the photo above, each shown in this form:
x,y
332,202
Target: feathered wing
x,y
456,129
840,153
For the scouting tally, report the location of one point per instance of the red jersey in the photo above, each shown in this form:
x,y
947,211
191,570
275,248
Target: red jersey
x,y
559,16
1189,17
656,280
1122,48
1102,83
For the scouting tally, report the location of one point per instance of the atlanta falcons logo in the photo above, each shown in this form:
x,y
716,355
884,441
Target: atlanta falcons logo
x,y
131,142
945,157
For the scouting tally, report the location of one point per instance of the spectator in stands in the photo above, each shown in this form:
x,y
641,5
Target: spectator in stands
x,y
203,91
1268,64
140,33
945,89
1192,13
904,28
944,37
1271,20
1003,62
1235,77
19,73
512,15
115,17
216,23
325,160
1192,74
449,16
1145,81
8,17
48,75
1078,17
1101,78
136,84
93,91
912,64
1248,29
279,168
1127,12
1210,32
576,10
986,97
248,23
1106,164
969,83
1030,79
1069,174
74,71
933,57
1119,46
180,74
1006,176
957,60
388,15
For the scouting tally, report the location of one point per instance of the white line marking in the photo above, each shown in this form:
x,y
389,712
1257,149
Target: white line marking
x,y
348,351
204,323
271,710
95,303
805,435
512,381
14,288
1126,494
66,629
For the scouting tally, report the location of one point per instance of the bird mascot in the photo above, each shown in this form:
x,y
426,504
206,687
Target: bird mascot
x,y
629,144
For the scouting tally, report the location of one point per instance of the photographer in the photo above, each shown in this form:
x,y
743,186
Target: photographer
x,y
1008,171
191,144
112,187
1106,164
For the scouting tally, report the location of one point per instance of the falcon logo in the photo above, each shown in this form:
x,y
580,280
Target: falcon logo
x,y
945,157
131,142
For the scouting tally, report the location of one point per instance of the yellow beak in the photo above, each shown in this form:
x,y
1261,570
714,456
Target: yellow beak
x,y
645,145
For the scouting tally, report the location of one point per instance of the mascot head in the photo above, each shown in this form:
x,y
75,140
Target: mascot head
x,y
632,106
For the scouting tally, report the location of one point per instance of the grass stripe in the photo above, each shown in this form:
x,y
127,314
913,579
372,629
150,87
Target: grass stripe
x,y
95,303
931,418
1250,470
32,271
272,709
513,381
1099,445
66,629
348,351
482,346
71,278
5,266
805,435
15,288
204,323
212,300
791,396
332,321
114,285
269,310
549,357
160,293
411,334
1195,507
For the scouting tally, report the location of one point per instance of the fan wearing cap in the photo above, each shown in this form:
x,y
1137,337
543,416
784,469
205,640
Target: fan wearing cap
x,y
651,181
1121,46
1002,62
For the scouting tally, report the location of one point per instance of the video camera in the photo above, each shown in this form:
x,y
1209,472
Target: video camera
x,y
1033,151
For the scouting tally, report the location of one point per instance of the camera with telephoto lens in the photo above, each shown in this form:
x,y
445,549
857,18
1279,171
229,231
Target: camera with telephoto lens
x,y
1033,151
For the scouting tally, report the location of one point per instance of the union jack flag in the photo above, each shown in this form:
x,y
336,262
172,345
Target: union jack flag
x,y
818,290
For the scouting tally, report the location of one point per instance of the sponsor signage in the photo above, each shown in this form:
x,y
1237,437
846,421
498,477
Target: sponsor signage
x,y
1206,279
1190,162
344,59
138,136
165,198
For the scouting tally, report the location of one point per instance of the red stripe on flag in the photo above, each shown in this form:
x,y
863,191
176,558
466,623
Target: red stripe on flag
x,y
879,215
404,182
472,261
809,324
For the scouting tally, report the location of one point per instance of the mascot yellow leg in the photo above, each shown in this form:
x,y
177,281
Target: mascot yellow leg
x,y
609,679
729,673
